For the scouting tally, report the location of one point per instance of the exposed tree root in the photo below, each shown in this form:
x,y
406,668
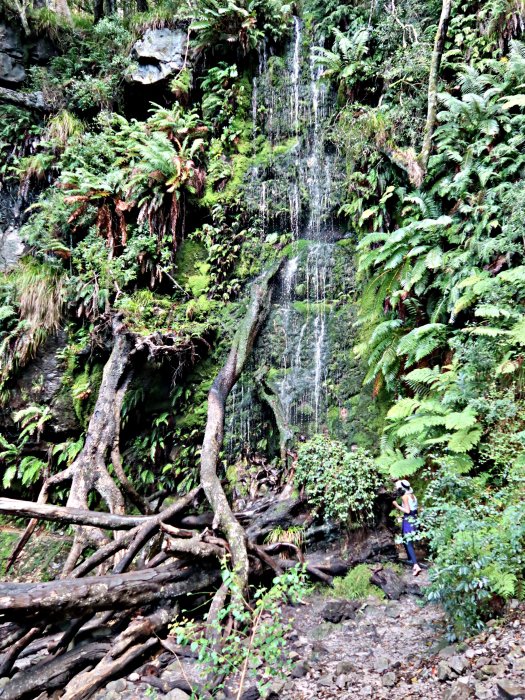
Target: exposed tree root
x,y
242,345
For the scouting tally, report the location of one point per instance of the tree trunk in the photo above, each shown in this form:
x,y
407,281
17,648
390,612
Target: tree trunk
x,y
241,348
437,54
61,7
98,10
89,472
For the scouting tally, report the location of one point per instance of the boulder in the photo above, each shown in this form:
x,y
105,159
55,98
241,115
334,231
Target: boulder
x,y
393,585
457,691
11,55
389,680
339,610
251,694
444,672
159,54
11,245
457,664
176,694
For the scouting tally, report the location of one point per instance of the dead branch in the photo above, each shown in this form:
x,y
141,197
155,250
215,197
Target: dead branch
x,y
147,526
69,515
123,652
12,655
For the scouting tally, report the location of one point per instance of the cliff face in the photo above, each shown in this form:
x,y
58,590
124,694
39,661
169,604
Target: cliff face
x,y
18,52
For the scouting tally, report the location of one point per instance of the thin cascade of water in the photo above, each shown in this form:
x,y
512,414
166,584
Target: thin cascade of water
x,y
296,70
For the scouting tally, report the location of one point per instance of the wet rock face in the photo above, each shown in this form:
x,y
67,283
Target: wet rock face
x,y
41,382
160,53
11,248
12,69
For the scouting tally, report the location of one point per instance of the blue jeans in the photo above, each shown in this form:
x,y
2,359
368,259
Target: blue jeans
x,y
410,552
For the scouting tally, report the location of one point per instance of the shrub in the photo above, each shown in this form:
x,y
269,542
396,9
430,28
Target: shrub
x,y
338,482
477,539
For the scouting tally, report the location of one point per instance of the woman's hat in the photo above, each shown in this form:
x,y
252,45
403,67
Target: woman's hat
x,y
403,484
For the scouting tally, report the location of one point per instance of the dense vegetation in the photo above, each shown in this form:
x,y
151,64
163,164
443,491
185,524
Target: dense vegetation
x,y
139,209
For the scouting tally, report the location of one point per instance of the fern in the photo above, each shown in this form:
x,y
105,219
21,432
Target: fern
x,y
464,440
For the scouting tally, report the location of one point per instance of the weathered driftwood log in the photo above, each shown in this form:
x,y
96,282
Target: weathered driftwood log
x,y
125,650
75,597
242,345
50,675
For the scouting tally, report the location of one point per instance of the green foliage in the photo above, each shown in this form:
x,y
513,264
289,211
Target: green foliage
x,y
220,23
341,483
346,63
31,300
25,467
89,71
258,632
477,538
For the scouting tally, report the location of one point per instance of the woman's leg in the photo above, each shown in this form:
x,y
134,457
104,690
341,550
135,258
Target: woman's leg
x,y
411,552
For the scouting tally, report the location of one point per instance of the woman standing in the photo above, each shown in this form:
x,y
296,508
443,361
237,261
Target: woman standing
x,y
409,509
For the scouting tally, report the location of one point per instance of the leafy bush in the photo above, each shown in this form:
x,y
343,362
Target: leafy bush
x,y
341,483
220,23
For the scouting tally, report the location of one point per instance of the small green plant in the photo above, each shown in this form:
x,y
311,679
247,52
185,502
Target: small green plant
x,y
341,483
255,645
355,585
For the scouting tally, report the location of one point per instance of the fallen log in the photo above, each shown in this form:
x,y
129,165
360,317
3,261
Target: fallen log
x,y
66,598
124,651
80,516
70,516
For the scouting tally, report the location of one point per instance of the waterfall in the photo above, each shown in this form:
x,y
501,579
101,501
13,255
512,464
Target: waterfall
x,y
295,193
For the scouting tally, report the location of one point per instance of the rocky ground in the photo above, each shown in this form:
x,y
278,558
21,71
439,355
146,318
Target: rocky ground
x,y
371,649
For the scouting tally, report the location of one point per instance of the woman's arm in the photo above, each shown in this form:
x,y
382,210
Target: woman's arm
x,y
405,508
